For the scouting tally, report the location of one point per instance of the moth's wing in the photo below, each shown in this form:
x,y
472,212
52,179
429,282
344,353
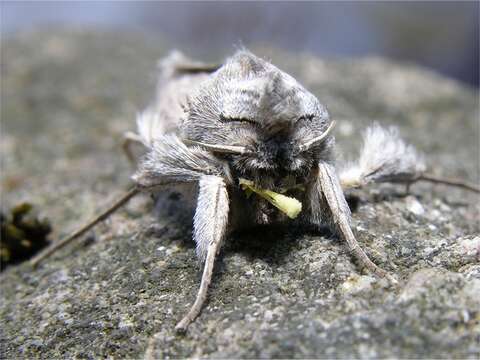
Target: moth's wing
x,y
179,79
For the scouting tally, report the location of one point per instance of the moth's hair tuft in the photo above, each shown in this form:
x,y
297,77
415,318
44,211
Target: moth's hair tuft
x,y
150,126
384,157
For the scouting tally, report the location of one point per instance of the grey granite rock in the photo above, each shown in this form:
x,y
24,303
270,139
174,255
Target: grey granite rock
x,y
67,96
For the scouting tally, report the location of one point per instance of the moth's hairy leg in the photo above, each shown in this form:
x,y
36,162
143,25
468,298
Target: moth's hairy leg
x,y
210,223
387,158
409,181
129,139
83,229
330,186
448,181
169,163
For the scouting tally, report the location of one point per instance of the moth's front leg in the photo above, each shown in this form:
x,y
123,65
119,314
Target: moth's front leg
x,y
129,139
328,192
210,224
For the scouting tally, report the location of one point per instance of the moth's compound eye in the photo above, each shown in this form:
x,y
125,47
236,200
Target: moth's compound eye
x,y
307,117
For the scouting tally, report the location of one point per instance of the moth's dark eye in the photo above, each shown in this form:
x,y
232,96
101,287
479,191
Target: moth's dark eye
x,y
228,119
307,117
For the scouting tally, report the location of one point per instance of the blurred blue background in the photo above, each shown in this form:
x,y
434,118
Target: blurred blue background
x,y
441,35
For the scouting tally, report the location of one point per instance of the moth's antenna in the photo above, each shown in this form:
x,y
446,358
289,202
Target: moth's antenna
x,y
224,149
310,143
120,202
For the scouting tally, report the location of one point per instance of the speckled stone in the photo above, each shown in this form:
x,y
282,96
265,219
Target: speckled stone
x,y
67,96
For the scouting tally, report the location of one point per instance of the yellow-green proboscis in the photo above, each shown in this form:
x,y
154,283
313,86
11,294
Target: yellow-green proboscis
x,y
288,205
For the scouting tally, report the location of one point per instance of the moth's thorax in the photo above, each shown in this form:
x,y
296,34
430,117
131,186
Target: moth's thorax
x,y
249,99
262,119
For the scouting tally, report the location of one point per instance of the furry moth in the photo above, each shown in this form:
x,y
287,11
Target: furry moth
x,y
211,126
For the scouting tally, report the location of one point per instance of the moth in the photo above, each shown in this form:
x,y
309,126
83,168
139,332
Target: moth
x,y
212,127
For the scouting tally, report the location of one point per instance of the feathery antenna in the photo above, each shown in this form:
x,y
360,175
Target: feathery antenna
x,y
307,145
224,149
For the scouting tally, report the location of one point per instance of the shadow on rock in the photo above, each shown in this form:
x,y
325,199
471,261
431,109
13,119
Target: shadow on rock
x,y
271,243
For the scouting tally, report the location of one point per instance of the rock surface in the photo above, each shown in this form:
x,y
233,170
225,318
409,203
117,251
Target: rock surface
x,y
66,99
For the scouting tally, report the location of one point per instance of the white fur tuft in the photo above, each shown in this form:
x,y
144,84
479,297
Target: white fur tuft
x,y
150,126
385,157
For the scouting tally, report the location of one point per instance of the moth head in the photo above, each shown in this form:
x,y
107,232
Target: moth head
x,y
259,117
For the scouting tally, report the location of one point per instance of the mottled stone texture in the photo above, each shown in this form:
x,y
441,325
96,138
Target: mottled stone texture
x,y
67,96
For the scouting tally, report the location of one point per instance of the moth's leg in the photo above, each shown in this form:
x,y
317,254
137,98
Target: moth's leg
x,y
129,139
386,158
331,189
210,223
58,245
195,68
408,184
